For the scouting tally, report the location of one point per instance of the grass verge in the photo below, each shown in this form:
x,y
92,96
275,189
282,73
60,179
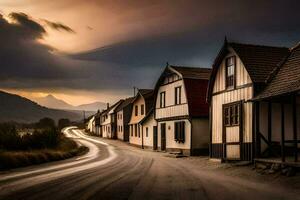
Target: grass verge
x,y
67,148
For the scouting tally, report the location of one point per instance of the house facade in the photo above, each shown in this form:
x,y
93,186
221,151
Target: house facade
x,y
109,121
240,73
141,105
149,131
90,124
123,112
181,110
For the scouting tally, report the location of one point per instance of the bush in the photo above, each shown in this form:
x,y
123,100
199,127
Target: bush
x,y
9,137
41,139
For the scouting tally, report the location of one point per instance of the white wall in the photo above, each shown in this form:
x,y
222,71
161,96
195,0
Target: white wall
x,y
170,131
120,123
150,123
135,120
171,109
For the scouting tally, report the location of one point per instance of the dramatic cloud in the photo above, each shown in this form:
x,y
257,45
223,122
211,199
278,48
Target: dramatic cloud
x,y
131,40
59,26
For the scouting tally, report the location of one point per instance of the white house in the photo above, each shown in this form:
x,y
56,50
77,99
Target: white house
x,y
142,104
149,131
109,121
91,124
181,110
123,112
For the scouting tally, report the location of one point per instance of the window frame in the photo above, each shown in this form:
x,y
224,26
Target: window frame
x,y
142,109
177,95
230,81
179,131
136,110
231,114
162,103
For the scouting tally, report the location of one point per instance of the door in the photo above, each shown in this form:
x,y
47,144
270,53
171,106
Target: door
x,y
154,137
163,136
232,130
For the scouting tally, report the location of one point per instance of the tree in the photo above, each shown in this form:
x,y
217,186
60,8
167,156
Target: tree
x,y
46,123
62,123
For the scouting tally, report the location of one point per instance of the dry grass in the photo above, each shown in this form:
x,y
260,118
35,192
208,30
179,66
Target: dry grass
x,y
66,149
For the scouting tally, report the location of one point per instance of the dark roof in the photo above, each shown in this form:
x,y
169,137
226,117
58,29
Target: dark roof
x,y
193,72
144,92
259,60
286,79
111,107
195,82
125,103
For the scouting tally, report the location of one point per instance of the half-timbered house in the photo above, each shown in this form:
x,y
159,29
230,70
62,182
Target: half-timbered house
x,y
142,104
181,110
277,132
240,72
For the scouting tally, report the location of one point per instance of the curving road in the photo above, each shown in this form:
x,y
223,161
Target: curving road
x,y
115,170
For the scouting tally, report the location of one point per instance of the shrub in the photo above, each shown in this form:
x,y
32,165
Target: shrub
x,y
9,137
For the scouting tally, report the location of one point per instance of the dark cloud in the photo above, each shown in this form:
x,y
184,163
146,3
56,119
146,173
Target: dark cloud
x,y
191,34
58,26
23,57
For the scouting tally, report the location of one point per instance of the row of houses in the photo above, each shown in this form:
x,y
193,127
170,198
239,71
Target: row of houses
x,y
243,108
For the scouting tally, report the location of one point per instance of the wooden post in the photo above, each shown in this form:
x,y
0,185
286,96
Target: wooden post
x,y
294,107
269,122
282,133
257,136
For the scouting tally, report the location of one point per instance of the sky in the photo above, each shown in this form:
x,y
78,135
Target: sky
x,y
84,51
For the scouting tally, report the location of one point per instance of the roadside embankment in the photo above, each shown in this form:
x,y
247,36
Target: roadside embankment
x,y
66,148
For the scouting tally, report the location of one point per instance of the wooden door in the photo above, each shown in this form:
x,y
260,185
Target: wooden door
x,y
232,130
154,137
163,136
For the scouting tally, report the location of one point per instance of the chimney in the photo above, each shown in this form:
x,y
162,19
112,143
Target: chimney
x,y
107,105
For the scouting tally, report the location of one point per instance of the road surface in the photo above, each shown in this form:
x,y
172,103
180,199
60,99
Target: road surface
x,y
115,170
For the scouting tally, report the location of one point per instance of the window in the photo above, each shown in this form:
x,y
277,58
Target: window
x,y
230,72
178,95
135,130
136,110
163,99
142,109
231,115
121,127
131,130
146,131
179,131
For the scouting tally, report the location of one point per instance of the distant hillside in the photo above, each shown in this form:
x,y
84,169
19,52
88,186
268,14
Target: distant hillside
x,y
92,106
19,109
51,101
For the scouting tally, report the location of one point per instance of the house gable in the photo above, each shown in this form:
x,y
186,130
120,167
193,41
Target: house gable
x,y
167,84
242,77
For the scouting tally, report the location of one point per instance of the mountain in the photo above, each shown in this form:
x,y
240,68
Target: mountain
x,y
92,106
19,109
51,101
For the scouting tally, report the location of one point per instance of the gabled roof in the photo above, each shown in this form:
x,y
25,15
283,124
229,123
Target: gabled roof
x,y
112,107
193,72
124,104
286,79
195,82
260,61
